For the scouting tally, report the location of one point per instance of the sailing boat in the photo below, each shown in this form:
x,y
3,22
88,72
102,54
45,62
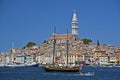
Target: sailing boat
x,y
62,68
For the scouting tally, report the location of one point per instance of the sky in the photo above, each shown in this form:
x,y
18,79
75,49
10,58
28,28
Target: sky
x,y
22,21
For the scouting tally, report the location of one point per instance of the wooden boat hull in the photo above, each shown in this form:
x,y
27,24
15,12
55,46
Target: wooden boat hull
x,y
61,69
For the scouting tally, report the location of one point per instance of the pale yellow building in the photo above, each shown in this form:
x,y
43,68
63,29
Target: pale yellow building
x,y
75,56
98,53
113,59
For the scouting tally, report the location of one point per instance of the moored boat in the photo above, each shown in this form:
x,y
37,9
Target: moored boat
x,y
32,64
2,65
14,65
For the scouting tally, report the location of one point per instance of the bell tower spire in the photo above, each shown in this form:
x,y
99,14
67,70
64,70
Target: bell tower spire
x,y
74,24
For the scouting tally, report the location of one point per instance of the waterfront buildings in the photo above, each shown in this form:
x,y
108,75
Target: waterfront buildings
x,y
77,51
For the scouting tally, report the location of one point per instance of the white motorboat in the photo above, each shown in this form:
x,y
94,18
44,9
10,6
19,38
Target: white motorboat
x,y
1,65
87,74
31,64
14,65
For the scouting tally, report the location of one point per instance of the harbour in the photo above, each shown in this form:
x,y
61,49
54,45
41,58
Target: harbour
x,y
59,40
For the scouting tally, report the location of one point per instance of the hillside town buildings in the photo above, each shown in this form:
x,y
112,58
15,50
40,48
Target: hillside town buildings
x,y
90,54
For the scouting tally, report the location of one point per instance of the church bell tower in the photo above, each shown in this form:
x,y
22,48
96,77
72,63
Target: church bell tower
x,y
74,24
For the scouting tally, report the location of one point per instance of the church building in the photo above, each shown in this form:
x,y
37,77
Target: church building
x,y
62,38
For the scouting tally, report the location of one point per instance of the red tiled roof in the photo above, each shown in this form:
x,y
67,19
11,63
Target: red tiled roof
x,y
61,36
118,55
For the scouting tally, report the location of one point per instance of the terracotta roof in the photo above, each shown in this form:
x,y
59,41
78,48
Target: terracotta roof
x,y
118,55
61,36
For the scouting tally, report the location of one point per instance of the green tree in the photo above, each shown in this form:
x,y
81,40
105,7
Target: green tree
x,y
45,41
30,44
86,41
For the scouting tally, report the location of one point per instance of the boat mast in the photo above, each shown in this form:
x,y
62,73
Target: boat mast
x,y
67,47
13,45
54,46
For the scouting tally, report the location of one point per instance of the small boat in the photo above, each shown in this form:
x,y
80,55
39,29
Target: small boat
x,y
87,74
14,65
31,64
1,65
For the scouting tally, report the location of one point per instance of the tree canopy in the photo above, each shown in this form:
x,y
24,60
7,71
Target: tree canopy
x,y
86,41
45,41
30,44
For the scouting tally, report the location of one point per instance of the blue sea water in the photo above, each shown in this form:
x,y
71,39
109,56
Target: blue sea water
x,y
38,73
